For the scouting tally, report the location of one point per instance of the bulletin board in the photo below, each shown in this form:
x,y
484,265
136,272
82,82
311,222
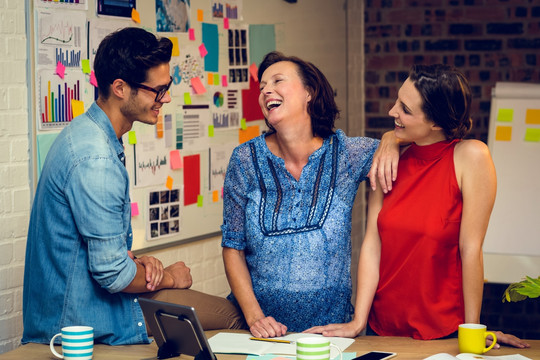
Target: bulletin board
x,y
177,167
512,243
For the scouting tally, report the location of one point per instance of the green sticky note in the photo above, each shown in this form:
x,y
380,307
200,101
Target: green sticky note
x,y
505,115
199,200
85,66
132,137
210,130
187,99
532,134
243,125
216,79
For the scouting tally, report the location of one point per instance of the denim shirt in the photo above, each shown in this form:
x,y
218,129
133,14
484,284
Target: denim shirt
x,y
79,234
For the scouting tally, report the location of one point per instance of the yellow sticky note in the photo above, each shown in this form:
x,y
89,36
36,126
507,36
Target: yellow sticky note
x,y
200,15
532,116
243,125
77,107
169,182
215,195
175,47
532,134
503,133
132,137
506,115
210,130
135,16
187,98
200,200
85,63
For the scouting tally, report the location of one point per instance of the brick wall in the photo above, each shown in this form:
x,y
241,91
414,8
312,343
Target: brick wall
x,y
489,40
14,189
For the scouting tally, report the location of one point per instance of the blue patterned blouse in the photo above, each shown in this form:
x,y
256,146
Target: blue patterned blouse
x,y
296,234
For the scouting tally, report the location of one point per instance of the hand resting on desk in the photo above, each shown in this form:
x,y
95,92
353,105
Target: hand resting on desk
x,y
507,339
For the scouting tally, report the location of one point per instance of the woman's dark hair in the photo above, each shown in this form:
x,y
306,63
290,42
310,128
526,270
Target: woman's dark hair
x,y
128,54
446,97
322,107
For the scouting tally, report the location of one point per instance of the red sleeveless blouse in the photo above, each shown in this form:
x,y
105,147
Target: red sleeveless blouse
x,y
420,292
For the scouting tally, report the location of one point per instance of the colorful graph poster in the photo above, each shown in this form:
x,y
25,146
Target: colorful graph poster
x,y
230,9
54,108
61,38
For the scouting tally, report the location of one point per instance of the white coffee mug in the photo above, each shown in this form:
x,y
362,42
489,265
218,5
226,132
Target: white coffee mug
x,y
315,348
77,343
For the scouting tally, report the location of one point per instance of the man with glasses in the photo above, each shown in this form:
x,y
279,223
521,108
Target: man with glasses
x,y
79,270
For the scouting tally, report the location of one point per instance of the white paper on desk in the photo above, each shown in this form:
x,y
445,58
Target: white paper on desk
x,y
466,356
234,343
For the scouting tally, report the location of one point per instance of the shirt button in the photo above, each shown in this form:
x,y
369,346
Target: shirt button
x,y
139,323
135,300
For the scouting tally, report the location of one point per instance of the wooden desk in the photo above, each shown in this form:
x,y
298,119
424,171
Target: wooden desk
x,y
406,348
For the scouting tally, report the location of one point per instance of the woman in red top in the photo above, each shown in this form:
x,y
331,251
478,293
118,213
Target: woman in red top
x,y
420,271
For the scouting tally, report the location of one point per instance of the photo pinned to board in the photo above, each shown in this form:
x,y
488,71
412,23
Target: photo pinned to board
x,y
163,217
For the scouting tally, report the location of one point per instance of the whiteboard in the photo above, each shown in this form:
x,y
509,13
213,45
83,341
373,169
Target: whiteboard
x,y
512,243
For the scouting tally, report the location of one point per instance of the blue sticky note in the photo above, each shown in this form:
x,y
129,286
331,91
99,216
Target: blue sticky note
x,y
211,42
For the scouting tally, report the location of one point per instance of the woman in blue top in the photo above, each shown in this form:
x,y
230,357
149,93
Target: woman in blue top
x,y
288,199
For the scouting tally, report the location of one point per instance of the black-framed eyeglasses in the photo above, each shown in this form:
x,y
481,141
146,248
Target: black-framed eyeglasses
x,y
160,93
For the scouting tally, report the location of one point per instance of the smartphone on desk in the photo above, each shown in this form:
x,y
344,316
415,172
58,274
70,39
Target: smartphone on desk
x,y
376,355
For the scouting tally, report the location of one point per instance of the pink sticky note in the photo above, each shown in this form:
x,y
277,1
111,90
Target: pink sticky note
x,y
176,160
202,50
198,85
225,23
134,209
253,71
93,79
60,69
191,34
224,82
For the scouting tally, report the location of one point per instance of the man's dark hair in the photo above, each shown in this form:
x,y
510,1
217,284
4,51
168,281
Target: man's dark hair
x,y
322,107
128,54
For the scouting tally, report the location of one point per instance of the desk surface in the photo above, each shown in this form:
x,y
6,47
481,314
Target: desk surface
x,y
406,348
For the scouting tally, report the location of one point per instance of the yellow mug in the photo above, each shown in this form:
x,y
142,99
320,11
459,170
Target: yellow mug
x,y
472,338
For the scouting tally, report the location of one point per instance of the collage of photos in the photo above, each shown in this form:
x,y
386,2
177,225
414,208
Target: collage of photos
x,y
163,213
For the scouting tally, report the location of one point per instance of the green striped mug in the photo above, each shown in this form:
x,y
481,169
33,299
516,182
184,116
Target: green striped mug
x,y
315,348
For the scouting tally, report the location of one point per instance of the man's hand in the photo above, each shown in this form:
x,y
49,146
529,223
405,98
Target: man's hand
x,y
180,274
385,162
153,270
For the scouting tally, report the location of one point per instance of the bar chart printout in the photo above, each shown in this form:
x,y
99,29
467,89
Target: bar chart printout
x,y
55,96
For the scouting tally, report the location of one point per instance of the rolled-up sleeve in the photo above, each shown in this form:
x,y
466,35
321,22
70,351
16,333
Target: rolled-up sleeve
x,y
98,194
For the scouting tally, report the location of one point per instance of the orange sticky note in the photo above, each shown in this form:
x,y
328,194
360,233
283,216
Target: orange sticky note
x,y
198,85
77,107
135,16
253,71
200,15
169,182
225,23
215,195
175,159
532,116
60,69
175,47
248,134
503,133
191,33
210,79
134,209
